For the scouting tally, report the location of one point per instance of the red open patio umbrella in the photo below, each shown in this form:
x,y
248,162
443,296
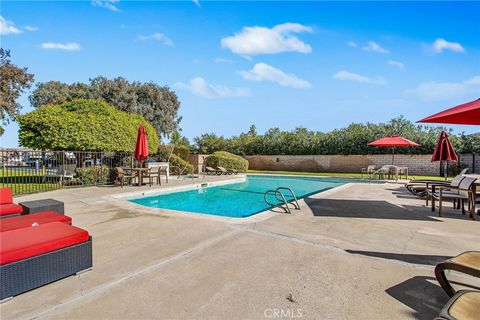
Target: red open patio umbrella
x,y
141,149
444,151
393,141
467,113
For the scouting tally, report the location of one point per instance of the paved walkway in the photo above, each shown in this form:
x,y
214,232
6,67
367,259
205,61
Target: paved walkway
x,y
360,251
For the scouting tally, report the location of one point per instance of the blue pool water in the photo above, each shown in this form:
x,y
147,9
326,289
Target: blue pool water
x,y
237,200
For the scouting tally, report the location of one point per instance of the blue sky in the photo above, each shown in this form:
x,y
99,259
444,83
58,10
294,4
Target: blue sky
x,y
320,65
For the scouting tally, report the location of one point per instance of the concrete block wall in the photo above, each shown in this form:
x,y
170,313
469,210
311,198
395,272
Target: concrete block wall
x,y
472,161
417,164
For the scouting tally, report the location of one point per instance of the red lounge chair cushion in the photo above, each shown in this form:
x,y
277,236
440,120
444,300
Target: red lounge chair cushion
x,y
30,220
6,209
6,196
28,242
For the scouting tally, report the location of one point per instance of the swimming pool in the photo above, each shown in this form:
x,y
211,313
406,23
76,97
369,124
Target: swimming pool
x,y
237,200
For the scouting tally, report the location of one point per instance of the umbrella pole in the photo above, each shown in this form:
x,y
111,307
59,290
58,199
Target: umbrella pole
x,y
393,156
445,173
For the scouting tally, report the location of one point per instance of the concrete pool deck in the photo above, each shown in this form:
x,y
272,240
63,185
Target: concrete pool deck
x,y
360,251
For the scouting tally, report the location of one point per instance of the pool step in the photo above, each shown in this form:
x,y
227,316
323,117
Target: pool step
x,y
281,197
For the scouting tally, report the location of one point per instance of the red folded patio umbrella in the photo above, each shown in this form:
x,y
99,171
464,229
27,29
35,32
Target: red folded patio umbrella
x,y
141,149
444,151
393,141
467,113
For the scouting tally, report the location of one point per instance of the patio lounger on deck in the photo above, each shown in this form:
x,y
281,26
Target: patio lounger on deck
x,y
7,207
33,219
227,171
464,305
35,256
210,170
467,262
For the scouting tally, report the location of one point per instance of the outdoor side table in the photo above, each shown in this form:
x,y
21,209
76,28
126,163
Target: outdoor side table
x,y
42,205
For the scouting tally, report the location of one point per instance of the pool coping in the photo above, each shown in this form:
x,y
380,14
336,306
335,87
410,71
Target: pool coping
x,y
122,201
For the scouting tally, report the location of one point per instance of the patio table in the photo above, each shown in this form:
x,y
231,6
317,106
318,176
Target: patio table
x,y
42,205
139,173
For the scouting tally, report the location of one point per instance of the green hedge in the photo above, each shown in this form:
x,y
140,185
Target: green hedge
x,y
227,160
84,125
94,175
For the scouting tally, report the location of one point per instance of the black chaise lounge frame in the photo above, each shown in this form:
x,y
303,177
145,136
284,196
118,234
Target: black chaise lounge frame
x,y
451,264
27,274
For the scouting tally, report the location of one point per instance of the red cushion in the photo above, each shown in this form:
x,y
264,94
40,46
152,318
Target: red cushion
x,y
33,219
28,242
11,208
6,196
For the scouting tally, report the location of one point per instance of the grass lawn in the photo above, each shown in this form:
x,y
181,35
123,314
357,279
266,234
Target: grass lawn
x,y
25,181
331,174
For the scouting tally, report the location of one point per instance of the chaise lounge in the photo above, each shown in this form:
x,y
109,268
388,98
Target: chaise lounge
x,y
467,262
33,256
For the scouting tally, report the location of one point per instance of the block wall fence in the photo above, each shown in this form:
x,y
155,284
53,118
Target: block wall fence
x,y
418,164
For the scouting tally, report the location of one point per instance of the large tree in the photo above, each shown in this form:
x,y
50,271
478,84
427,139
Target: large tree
x,y
13,81
85,125
157,104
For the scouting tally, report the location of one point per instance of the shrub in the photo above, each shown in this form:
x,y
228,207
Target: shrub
x,y
226,160
94,175
85,125
177,165
182,151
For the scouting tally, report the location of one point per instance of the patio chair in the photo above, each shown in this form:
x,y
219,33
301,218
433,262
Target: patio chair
x,y
369,170
121,176
467,262
464,305
7,207
461,193
149,174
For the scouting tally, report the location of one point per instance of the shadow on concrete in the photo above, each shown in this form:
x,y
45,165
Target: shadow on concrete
x,y
422,294
371,209
431,260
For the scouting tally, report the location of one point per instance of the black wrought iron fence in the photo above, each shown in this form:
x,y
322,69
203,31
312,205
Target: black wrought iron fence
x,y
35,171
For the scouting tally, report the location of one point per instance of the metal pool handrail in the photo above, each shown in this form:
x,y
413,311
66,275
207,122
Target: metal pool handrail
x,y
280,197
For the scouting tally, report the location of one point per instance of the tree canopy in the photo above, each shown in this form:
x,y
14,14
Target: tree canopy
x,y
157,104
84,125
13,81
352,139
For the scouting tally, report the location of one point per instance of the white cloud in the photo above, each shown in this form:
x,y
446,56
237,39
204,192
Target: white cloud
x,y
107,4
197,2
352,44
8,27
441,44
222,60
350,76
158,36
71,46
396,64
374,47
31,28
261,40
199,87
437,91
265,72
